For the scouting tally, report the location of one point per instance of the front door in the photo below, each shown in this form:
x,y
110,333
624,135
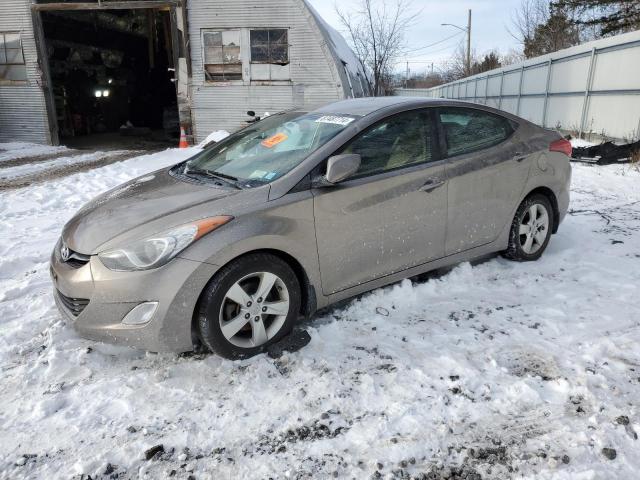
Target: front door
x,y
391,214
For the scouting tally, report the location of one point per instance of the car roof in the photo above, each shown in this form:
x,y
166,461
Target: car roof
x,y
367,105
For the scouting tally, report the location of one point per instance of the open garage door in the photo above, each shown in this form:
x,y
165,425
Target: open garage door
x,y
117,72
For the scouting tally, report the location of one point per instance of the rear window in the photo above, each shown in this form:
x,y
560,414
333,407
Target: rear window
x,y
468,130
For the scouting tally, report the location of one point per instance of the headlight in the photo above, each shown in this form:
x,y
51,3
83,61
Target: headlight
x,y
157,250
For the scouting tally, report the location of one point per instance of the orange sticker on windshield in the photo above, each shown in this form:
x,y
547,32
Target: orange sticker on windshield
x,y
274,140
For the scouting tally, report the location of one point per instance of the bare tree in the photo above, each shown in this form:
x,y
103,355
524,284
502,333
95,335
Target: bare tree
x,y
376,31
526,19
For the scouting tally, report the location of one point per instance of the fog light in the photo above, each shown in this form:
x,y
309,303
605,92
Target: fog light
x,y
141,314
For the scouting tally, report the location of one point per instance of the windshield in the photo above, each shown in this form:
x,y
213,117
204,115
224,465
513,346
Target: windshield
x,y
268,149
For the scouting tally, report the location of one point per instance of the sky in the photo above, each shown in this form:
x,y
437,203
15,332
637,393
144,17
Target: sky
x,y
490,20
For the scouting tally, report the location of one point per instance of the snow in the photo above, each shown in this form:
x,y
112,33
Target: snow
x,y
18,171
580,143
215,136
15,150
496,368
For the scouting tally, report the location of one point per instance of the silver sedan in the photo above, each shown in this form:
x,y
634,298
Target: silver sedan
x,y
229,249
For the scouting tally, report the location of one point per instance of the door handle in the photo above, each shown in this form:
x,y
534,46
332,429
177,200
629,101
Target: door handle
x,y
431,184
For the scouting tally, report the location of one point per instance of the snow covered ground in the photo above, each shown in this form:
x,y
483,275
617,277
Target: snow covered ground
x,y
494,371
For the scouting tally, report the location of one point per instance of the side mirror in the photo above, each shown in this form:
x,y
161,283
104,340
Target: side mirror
x,y
341,167
251,113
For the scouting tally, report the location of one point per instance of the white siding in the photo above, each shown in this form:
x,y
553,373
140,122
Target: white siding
x,y
23,114
314,76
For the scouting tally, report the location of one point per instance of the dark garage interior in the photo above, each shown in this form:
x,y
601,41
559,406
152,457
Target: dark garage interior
x,y
111,75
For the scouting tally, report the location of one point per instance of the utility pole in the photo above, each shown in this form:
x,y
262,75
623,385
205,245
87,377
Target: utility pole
x,y
469,44
406,78
468,32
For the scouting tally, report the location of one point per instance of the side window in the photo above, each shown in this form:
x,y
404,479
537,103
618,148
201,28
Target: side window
x,y
221,55
468,130
402,140
12,66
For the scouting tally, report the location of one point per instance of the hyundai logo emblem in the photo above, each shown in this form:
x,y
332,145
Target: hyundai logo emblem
x,y
64,253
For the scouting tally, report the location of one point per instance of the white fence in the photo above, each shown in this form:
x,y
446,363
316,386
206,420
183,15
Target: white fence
x,y
590,88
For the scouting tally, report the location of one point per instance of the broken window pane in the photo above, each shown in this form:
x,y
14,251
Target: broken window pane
x,y
222,58
231,38
12,65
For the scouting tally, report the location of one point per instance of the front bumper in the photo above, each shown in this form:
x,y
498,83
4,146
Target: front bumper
x,y
96,299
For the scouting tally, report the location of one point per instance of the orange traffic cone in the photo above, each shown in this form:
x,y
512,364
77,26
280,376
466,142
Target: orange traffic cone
x,y
183,139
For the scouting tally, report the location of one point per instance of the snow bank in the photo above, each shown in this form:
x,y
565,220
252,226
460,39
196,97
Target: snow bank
x,y
216,136
499,369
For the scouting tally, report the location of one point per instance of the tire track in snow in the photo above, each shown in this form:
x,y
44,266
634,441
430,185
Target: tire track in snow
x,y
14,178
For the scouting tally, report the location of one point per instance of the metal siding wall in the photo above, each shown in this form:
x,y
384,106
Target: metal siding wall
x,y
532,109
535,79
312,66
607,103
23,112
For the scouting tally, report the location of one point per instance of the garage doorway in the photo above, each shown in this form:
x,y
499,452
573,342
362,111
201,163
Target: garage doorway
x,y
112,77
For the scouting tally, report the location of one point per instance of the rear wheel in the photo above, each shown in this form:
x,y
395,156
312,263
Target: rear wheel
x,y
250,304
531,229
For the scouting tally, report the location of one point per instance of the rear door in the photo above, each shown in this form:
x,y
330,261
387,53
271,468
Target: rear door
x,y
391,214
486,175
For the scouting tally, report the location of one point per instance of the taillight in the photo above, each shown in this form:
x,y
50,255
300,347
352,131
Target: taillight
x,y
562,145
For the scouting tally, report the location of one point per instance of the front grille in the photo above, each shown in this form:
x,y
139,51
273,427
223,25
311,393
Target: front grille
x,y
74,305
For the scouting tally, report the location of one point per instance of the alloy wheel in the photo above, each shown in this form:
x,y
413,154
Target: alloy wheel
x,y
254,309
534,228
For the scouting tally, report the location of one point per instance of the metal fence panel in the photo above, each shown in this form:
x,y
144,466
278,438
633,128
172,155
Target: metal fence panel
x,y
594,87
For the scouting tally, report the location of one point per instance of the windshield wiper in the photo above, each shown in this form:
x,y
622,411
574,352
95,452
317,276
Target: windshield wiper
x,y
228,179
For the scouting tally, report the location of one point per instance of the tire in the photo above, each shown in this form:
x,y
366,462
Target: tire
x,y
530,245
259,321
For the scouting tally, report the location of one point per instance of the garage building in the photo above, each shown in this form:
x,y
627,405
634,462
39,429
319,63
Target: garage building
x,y
100,72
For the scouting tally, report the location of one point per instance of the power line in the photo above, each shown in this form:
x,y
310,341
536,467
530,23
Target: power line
x,y
433,44
429,53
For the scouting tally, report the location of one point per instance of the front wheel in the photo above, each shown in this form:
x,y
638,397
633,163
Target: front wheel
x,y
250,304
531,229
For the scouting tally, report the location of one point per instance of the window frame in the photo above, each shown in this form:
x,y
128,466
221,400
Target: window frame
x,y
235,81
429,115
6,63
442,134
268,45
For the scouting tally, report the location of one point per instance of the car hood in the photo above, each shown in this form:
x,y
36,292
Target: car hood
x,y
143,206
